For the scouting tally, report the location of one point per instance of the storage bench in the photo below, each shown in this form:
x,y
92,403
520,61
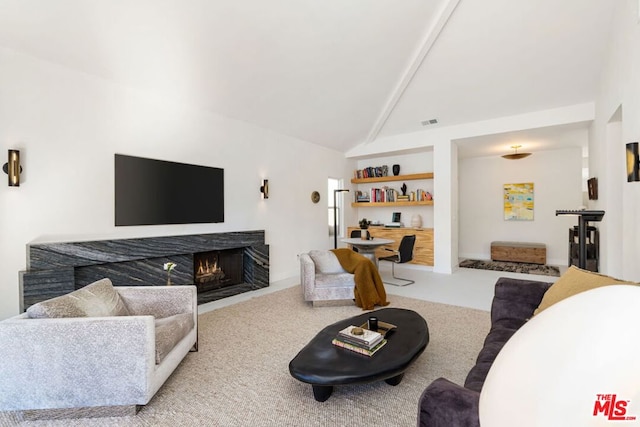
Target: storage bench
x,y
535,253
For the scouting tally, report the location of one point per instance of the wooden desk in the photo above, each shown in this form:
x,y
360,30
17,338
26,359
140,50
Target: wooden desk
x,y
423,249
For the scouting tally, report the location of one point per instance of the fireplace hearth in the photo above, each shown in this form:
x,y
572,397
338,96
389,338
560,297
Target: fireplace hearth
x,y
219,264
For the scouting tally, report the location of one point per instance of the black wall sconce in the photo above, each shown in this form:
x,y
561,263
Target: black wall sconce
x,y
633,163
264,189
13,168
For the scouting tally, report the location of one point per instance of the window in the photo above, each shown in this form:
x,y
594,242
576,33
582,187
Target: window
x,y
334,184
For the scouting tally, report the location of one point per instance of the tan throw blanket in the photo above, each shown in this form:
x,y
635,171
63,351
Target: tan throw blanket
x,y
369,290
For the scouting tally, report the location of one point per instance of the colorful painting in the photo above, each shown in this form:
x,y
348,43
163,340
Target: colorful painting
x,y
518,202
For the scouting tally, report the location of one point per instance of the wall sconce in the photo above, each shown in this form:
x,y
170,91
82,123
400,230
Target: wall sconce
x,y
13,168
633,167
264,189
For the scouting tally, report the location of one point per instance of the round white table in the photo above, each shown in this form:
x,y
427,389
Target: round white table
x,y
368,247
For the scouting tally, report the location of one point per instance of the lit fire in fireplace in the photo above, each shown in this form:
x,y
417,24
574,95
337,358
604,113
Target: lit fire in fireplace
x,y
208,272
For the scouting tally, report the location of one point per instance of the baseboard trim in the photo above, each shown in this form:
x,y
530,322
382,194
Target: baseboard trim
x,y
87,412
333,303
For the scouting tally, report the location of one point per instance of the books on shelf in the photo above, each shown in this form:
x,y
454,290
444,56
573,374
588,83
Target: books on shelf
x,y
362,197
422,195
386,194
367,339
376,195
371,172
362,350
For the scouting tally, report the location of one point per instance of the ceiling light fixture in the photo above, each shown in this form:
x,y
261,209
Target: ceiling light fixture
x,y
516,155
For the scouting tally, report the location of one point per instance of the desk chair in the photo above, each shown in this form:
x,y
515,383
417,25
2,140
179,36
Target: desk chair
x,y
402,255
354,234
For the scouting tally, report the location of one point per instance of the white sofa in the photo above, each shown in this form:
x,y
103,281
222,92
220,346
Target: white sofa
x,y
324,280
100,346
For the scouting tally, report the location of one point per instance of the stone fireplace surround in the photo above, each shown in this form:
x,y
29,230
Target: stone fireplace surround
x,y
55,269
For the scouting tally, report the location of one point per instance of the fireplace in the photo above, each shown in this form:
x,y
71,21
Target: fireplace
x,y
218,264
217,269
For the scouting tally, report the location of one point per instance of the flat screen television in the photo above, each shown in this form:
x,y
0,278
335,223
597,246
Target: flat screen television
x,y
151,192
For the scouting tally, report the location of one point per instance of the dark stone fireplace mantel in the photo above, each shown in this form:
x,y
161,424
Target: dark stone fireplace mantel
x,y
55,269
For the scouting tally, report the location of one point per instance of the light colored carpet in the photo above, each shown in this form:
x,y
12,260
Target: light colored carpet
x,y
240,375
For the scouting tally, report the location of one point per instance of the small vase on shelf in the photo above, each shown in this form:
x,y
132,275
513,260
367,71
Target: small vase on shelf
x,y
168,267
396,170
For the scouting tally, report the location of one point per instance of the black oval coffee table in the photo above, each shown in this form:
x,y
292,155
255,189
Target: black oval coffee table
x,y
323,365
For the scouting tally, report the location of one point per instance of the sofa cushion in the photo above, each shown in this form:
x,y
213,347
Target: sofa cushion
x,y
513,304
515,300
493,343
574,281
99,299
334,280
326,262
169,331
446,404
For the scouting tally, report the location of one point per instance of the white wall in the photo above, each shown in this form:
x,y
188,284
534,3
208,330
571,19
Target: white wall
x,y
617,122
446,222
557,185
68,126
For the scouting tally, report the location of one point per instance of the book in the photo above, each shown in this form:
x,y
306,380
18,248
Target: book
x,y
367,352
368,339
357,343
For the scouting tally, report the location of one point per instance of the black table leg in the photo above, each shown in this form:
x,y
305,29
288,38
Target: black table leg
x,y
394,380
322,392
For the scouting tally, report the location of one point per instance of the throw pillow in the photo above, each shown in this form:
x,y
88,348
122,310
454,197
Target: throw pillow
x,y
326,262
574,281
99,299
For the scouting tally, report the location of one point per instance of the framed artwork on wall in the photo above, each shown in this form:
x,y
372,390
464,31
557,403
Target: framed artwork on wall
x,y
518,202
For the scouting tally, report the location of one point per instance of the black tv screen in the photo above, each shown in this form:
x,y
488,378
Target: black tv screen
x,y
150,192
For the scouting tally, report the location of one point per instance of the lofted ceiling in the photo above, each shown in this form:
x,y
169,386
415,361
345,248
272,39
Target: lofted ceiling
x,y
333,72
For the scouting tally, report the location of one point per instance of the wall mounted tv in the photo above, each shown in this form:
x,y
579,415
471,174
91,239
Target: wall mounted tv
x,y
150,192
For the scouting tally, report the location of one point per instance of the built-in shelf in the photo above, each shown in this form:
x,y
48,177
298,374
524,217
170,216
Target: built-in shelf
x,y
409,177
426,175
383,204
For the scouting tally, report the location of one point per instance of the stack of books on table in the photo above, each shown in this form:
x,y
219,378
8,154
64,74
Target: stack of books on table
x,y
367,342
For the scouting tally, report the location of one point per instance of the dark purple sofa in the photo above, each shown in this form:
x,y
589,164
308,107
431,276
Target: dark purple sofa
x,y
445,404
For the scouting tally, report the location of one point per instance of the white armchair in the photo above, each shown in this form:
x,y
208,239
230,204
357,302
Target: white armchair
x,y
98,347
324,280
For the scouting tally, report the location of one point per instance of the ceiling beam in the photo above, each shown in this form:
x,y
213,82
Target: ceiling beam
x,y
429,40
